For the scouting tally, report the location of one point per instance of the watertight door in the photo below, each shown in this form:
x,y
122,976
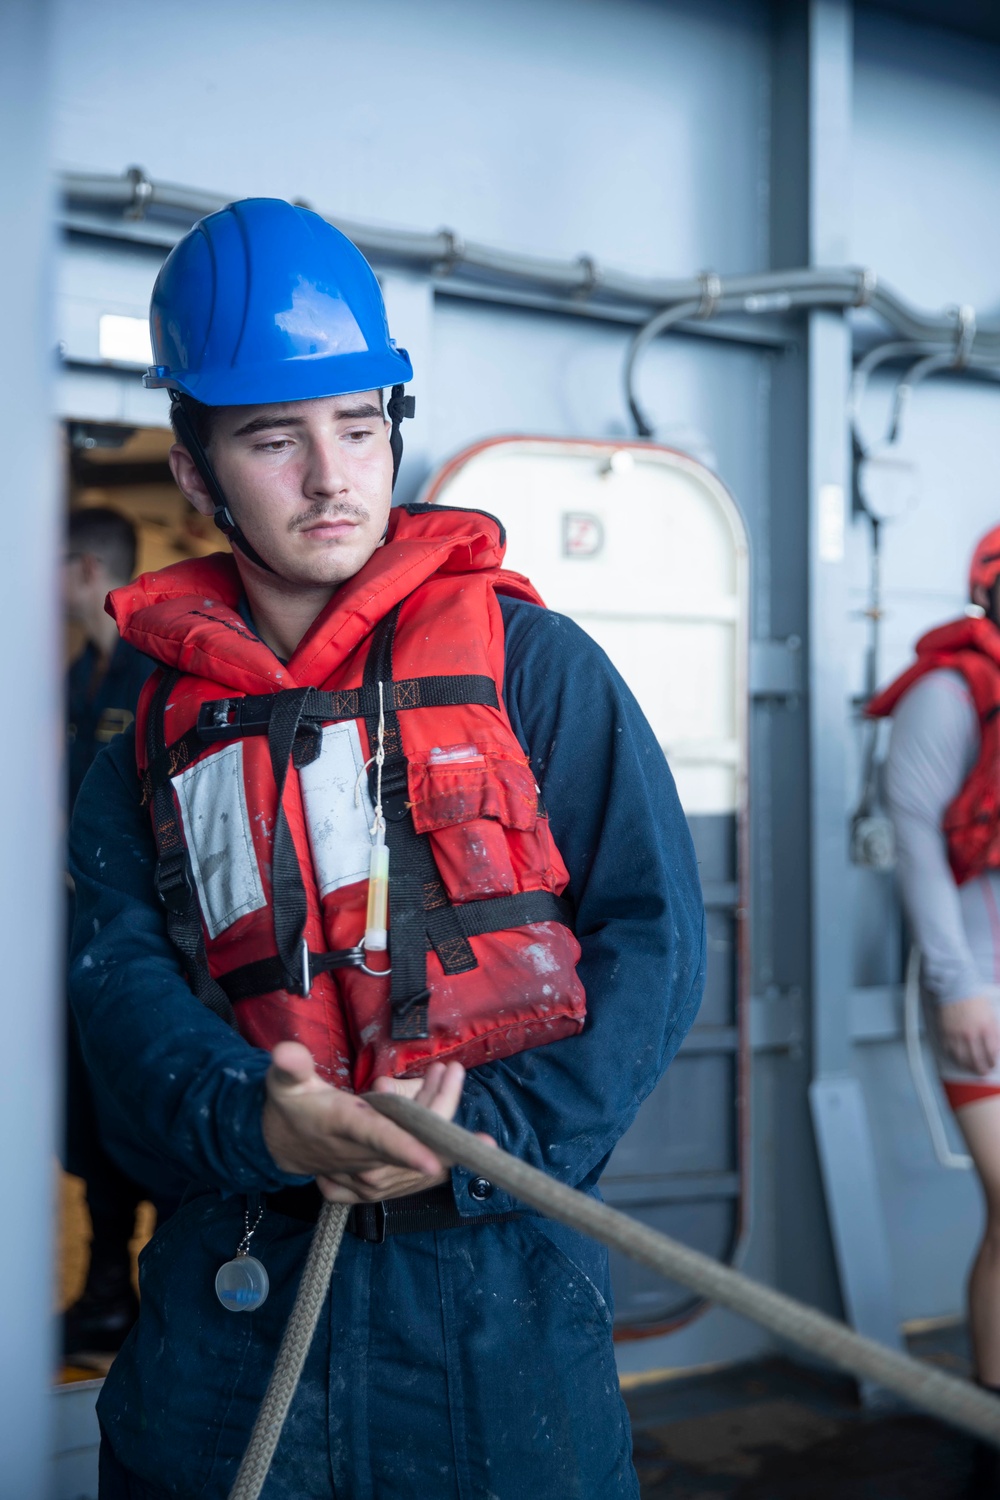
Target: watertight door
x,y
646,550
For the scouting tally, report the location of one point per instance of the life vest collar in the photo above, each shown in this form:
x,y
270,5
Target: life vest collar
x,y
971,822
941,649
186,617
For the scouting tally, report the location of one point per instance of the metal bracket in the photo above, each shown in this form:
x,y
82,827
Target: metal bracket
x,y
776,668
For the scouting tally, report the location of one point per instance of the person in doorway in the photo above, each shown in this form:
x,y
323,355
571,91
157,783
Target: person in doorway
x,y
355,678
943,788
102,690
105,679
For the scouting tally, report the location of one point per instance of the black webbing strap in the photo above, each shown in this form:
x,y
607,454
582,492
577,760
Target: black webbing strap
x,y
288,892
229,718
265,975
415,888
172,878
499,913
475,918
170,761
409,868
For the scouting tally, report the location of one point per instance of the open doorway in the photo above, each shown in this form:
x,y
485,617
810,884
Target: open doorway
x,y
108,467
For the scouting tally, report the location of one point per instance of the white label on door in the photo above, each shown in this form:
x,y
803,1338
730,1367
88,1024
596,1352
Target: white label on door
x,y
339,810
217,832
583,534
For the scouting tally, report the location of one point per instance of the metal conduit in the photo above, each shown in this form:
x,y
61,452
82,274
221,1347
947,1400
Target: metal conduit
x,y
136,197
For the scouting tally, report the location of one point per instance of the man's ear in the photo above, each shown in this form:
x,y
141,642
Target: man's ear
x,y
188,480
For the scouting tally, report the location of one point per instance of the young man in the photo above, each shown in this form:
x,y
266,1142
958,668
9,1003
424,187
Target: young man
x,y
353,678
943,780
102,690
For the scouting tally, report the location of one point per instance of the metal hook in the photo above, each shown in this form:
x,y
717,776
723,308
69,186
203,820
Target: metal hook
x,y
142,192
591,275
454,251
711,294
966,335
867,287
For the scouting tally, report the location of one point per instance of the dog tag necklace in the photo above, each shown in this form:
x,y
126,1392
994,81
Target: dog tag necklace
x,y
242,1284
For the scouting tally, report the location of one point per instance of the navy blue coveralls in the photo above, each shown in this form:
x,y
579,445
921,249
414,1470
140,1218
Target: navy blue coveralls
x,y
462,1364
99,706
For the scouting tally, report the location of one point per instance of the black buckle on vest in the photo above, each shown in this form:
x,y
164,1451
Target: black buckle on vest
x,y
395,806
173,883
220,718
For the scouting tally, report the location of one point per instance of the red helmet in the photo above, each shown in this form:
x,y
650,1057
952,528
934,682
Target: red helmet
x,y
984,569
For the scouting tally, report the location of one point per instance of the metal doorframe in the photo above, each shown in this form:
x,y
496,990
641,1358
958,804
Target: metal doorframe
x,y
738,898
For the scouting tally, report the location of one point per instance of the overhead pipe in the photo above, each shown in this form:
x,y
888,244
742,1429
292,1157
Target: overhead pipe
x,y
136,197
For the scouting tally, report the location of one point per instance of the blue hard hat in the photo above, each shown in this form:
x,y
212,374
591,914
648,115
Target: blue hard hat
x,y
264,302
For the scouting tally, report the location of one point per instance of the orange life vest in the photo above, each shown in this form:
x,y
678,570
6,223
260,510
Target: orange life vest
x,y
971,823
261,790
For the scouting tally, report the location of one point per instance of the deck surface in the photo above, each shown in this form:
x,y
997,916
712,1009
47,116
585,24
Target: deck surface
x,y
778,1431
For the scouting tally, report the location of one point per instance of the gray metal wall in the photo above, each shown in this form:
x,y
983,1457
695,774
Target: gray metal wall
x,y
31,920
662,137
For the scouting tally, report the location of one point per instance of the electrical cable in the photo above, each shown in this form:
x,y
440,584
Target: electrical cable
x,y
953,1160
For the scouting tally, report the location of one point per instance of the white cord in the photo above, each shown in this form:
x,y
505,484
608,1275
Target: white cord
x,y
926,1092
379,758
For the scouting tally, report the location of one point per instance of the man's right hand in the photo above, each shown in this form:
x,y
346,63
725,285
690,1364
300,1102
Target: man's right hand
x,y
315,1130
970,1033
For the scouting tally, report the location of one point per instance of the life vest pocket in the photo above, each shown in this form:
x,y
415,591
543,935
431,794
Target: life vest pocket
x,y
470,804
211,796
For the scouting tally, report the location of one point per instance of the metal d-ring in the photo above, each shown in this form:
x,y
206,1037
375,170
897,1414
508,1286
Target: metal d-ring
x,y
375,973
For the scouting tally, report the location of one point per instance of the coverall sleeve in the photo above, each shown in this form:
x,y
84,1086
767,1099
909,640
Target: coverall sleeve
x,y
188,1089
617,822
934,744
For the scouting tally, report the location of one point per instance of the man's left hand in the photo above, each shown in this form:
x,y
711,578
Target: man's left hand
x,y
439,1090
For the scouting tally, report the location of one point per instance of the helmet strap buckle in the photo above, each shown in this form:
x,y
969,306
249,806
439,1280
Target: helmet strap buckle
x,y
399,406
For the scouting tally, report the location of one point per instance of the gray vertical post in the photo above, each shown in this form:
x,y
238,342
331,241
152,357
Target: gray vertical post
x,y
30,932
810,212
839,1114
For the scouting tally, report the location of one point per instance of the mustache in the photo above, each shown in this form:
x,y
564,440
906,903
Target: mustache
x,y
324,511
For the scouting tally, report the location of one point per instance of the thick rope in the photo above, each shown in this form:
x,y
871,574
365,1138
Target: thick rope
x,y
951,1400
291,1358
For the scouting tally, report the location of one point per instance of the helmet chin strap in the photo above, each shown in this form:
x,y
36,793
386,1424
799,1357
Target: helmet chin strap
x,y
222,515
398,407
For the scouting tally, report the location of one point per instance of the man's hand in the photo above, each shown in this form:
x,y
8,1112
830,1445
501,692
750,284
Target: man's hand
x,y
355,1154
439,1090
970,1033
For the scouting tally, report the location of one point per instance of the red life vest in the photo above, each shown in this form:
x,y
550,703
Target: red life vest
x,y
972,822
262,806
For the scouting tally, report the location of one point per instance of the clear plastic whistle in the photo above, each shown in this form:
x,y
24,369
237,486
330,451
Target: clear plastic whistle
x,y
376,933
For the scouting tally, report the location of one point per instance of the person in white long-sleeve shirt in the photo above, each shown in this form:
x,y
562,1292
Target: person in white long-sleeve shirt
x,y
943,787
